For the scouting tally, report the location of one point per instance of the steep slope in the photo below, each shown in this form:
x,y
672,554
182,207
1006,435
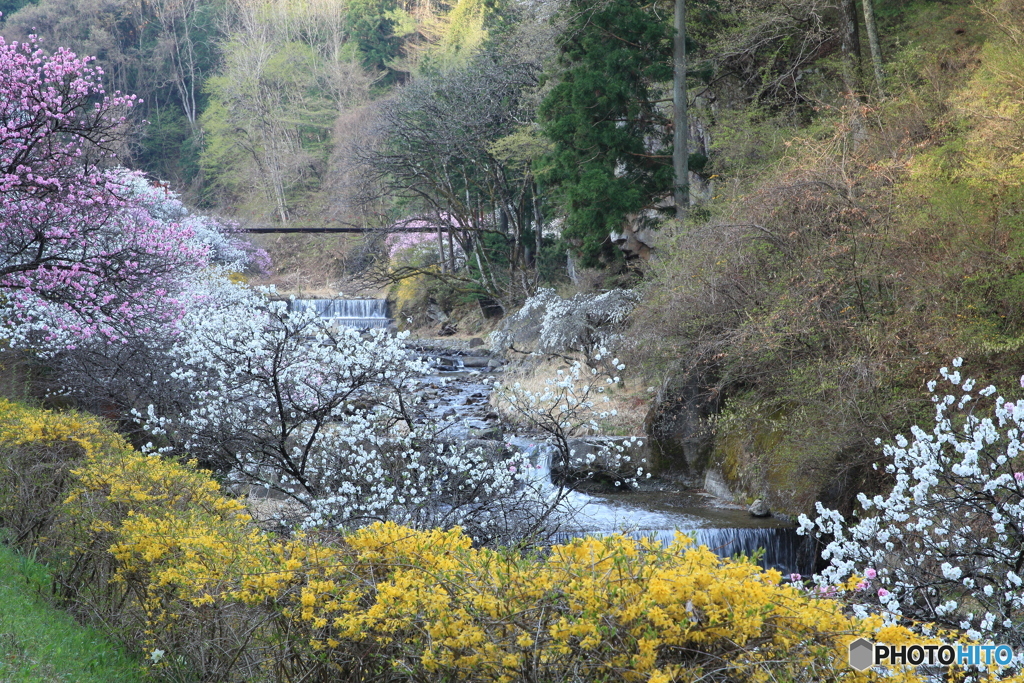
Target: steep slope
x,y
846,260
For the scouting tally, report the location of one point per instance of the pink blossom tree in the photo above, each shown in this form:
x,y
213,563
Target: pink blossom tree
x,y
80,256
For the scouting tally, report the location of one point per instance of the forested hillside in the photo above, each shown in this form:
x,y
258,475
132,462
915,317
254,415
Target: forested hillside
x,y
851,253
816,314
503,119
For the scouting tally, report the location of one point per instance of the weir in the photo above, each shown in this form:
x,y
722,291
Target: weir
x,y
783,548
774,547
359,313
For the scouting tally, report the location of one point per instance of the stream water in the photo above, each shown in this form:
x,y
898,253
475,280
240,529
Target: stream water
x,y
458,392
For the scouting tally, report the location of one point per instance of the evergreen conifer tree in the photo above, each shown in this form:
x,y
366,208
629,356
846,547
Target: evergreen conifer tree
x,y
612,141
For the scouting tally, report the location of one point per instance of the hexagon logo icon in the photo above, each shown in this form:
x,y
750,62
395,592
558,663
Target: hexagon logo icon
x,y
862,654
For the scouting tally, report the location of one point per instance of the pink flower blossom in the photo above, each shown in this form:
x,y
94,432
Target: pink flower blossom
x,y
81,253
870,573
882,592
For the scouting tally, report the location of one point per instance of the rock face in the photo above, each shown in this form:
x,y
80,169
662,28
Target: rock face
x,y
635,240
678,427
715,484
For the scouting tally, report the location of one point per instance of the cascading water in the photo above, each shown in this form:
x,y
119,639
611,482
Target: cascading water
x,y
360,313
776,547
727,532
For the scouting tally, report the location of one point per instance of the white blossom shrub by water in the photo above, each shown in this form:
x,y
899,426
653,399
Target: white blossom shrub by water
x,y
330,417
570,406
945,545
583,324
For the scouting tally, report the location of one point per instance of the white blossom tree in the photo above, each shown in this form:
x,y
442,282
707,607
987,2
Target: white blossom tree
x,y
331,418
945,545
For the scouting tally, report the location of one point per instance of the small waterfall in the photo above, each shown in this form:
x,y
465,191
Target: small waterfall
x,y
782,548
360,313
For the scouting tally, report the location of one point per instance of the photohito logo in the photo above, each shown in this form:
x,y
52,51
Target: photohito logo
x,y
864,654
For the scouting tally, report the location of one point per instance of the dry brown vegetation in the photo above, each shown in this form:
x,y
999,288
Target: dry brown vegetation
x,y
822,292
629,399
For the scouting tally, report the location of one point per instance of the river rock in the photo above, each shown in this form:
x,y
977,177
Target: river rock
x,y
436,314
715,484
475,342
759,508
632,457
475,361
485,434
494,364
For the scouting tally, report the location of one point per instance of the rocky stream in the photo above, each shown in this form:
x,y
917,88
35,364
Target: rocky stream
x,y
459,390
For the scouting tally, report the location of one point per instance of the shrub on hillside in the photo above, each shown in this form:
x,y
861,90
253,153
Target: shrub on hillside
x,y
946,542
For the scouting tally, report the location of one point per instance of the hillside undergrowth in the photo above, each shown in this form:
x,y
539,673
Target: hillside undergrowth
x,y
825,288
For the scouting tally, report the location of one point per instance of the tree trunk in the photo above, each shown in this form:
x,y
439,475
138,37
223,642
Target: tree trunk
x,y
851,69
876,52
538,234
440,248
850,35
680,146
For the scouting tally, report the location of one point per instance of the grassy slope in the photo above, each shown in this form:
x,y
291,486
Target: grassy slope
x,y
42,644
840,269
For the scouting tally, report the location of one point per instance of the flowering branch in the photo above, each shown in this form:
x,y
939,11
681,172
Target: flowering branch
x,y
946,544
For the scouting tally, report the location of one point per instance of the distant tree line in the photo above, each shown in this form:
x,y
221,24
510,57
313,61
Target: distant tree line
x,y
537,130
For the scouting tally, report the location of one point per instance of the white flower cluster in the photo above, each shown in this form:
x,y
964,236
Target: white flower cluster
x,y
948,538
584,323
215,235
329,416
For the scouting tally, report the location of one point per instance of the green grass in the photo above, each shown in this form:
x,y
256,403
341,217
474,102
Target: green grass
x,y
42,644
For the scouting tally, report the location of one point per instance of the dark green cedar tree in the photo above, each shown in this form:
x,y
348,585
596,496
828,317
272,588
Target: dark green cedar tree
x,y
374,31
612,141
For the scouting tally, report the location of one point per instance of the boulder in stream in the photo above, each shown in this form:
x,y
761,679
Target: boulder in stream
x,y
759,508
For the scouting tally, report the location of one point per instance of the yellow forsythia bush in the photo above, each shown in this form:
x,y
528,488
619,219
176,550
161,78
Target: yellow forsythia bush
x,y
186,572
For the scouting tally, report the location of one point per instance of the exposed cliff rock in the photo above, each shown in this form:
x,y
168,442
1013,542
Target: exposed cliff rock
x,y
678,426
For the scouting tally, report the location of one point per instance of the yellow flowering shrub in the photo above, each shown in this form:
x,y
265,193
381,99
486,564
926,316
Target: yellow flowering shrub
x,y
37,448
181,568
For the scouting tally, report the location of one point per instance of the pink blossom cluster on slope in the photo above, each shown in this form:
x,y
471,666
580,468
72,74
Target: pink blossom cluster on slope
x,y
420,233
80,255
400,241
